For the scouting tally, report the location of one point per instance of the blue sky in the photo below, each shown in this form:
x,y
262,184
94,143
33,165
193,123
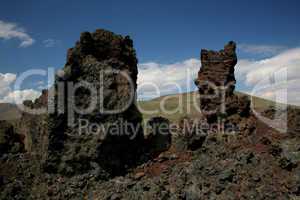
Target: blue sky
x,y
164,32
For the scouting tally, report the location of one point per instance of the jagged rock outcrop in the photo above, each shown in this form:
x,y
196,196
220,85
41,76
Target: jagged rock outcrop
x,y
108,63
216,83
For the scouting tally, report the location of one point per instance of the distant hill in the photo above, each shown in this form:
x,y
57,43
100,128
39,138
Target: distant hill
x,y
9,112
189,105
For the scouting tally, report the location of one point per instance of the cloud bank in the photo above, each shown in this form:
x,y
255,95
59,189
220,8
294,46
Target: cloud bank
x,y
156,79
275,78
7,95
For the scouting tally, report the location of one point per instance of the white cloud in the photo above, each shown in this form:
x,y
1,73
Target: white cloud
x,y
50,43
273,77
265,77
155,79
7,95
11,31
18,96
261,49
5,81
252,71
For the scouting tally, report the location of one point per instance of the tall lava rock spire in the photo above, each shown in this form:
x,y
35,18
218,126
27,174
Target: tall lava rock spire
x,y
216,83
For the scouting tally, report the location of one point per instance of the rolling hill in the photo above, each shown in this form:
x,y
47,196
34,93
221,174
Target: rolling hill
x,y
189,106
174,112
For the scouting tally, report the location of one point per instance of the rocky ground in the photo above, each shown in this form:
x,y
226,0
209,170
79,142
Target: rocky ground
x,y
261,165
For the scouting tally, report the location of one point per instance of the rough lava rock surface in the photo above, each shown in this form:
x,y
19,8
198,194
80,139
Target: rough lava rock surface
x,y
216,83
108,63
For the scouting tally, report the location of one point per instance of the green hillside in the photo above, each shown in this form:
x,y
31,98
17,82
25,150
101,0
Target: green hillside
x,y
9,112
189,106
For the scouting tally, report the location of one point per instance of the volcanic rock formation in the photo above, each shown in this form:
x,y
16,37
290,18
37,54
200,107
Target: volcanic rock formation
x,y
216,83
108,63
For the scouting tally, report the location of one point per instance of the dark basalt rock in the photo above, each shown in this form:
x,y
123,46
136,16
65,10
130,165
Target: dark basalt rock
x,y
192,135
101,59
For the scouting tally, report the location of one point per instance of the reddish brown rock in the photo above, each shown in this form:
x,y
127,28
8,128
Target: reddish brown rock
x,y
216,83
